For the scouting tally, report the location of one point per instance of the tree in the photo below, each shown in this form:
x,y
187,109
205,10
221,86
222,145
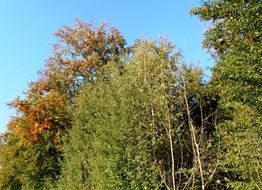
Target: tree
x,y
116,123
43,117
133,130
235,40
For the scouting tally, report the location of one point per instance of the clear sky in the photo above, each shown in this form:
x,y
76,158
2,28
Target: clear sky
x,y
26,28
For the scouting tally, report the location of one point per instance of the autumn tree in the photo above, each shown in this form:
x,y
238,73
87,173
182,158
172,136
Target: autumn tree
x,y
34,135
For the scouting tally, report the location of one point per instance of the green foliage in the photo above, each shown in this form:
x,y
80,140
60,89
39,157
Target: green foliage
x,y
114,118
130,128
235,40
101,117
20,166
241,148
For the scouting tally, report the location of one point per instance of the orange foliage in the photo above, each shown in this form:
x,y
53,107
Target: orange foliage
x,y
79,52
47,112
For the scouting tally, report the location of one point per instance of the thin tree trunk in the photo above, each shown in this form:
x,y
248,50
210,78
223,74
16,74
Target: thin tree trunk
x,y
193,137
172,153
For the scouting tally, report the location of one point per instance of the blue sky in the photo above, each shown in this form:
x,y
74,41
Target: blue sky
x,y
26,28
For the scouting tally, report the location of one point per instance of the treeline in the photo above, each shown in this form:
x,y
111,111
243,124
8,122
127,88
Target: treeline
x,y
104,115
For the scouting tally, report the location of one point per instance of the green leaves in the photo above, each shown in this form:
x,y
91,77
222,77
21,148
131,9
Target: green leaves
x,y
236,40
115,120
100,117
130,127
